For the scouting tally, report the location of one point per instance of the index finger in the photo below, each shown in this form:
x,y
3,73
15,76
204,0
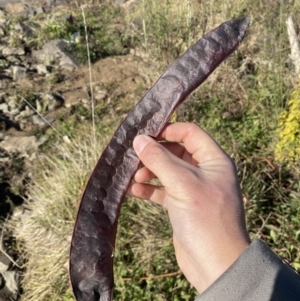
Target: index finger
x,y
196,141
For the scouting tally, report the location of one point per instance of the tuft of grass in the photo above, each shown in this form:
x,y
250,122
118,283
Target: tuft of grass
x,y
44,232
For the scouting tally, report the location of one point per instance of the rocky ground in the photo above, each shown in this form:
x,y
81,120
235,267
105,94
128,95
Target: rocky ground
x,y
56,82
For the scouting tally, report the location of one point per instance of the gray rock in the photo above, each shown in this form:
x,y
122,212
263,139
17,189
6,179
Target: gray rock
x,y
25,30
13,59
2,31
119,2
55,51
54,101
56,2
68,67
28,12
99,95
14,112
7,51
42,69
11,101
38,120
39,10
21,144
10,278
2,13
5,263
24,114
4,108
3,21
18,73
2,97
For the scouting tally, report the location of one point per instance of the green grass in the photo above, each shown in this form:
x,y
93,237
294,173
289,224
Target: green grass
x,y
239,106
106,36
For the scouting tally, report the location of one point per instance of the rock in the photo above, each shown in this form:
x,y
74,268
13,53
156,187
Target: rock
x,y
2,97
99,95
14,112
54,101
21,144
56,2
227,115
24,114
5,263
7,51
18,73
55,51
11,101
13,59
3,21
68,67
38,120
11,286
119,2
39,10
4,108
42,69
23,29
14,8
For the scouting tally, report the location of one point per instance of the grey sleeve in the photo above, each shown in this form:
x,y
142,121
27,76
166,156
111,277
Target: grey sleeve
x,y
258,274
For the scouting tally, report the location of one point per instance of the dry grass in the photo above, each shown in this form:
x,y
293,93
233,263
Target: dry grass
x,y
44,232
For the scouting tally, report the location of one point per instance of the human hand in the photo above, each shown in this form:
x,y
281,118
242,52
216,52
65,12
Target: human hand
x,y
200,190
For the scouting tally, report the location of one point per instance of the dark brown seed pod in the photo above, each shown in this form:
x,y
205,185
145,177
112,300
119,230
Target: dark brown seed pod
x,y
92,248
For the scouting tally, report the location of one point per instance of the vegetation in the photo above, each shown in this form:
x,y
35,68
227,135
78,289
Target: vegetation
x,y
288,147
240,106
100,23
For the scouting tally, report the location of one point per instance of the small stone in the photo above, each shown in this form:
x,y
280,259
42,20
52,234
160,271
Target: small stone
x,y
227,115
39,10
7,51
21,144
13,59
38,120
14,112
100,95
18,73
16,8
3,21
42,69
11,101
85,101
10,278
54,101
67,67
25,30
5,263
24,114
4,108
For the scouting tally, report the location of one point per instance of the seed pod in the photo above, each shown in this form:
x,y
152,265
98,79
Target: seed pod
x,y
92,248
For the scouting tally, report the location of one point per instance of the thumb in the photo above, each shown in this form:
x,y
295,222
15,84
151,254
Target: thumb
x,y
157,158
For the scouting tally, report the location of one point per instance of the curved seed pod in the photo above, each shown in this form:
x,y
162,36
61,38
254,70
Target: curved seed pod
x,y
92,248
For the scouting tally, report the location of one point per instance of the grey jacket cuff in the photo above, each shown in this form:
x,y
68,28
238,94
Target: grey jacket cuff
x,y
258,274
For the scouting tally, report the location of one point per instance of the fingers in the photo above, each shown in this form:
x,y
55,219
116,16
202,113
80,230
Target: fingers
x,y
196,141
145,175
158,160
148,192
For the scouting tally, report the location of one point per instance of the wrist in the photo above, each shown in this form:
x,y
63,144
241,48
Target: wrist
x,y
217,264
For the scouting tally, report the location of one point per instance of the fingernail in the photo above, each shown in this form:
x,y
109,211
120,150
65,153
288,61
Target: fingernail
x,y
140,142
